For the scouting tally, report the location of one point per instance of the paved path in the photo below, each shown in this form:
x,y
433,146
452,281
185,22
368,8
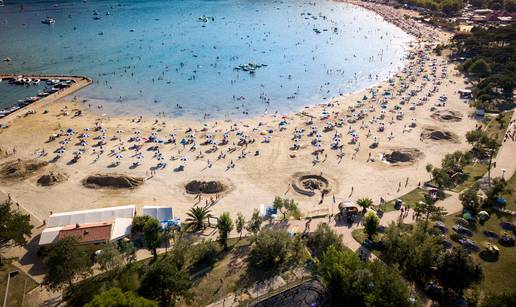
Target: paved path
x,y
506,157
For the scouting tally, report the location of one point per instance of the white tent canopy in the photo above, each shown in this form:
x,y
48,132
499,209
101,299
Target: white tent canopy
x,y
90,216
160,213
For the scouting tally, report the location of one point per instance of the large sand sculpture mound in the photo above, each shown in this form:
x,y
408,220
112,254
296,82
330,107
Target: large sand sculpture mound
x,y
309,184
403,156
447,116
205,187
436,134
20,169
52,178
115,181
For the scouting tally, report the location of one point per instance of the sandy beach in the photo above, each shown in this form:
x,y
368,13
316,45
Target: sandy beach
x,y
346,141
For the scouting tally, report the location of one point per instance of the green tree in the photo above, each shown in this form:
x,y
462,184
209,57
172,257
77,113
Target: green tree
x,y
255,223
456,270
128,251
138,222
360,283
287,207
114,297
322,238
240,224
66,260
273,250
165,282
498,187
225,226
365,203
197,218
414,252
109,257
451,7
470,200
480,68
152,236
429,211
15,228
371,223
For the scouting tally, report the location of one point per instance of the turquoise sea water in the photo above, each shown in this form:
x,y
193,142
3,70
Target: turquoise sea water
x,y
156,55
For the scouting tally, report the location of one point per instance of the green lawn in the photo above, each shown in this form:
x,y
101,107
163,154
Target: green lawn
x,y
227,275
497,126
474,171
499,275
510,196
16,286
411,198
231,274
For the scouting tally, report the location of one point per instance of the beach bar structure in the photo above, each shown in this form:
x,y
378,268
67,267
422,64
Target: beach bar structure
x,y
96,226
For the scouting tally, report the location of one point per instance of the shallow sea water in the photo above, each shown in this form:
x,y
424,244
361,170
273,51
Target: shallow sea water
x,y
149,56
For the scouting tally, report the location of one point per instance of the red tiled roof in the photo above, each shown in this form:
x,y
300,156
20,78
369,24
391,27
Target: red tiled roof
x,y
88,233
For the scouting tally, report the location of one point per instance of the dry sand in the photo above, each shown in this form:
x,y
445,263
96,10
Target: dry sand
x,y
254,180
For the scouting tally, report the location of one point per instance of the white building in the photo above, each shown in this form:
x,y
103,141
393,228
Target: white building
x,y
94,226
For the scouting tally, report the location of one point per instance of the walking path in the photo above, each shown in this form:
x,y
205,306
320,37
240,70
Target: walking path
x,y
506,157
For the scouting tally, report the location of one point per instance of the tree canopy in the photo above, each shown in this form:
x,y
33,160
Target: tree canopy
x,y
114,297
287,207
224,226
358,283
164,282
15,228
66,261
457,271
274,250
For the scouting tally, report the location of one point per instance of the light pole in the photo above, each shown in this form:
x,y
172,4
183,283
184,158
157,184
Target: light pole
x,y
12,273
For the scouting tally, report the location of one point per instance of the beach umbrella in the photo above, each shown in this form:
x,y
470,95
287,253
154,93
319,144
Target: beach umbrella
x,y
86,129
483,215
501,201
102,130
137,132
119,156
467,216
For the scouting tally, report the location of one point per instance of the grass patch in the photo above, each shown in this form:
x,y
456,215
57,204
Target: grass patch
x,y
228,275
510,196
411,198
474,172
17,285
499,275
498,125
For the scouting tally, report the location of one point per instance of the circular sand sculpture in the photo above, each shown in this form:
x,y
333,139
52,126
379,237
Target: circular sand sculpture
x,y
51,179
309,184
20,169
205,187
447,116
115,181
435,134
403,156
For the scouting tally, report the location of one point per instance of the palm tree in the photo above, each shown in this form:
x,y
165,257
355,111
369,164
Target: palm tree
x,y
224,225
197,217
365,203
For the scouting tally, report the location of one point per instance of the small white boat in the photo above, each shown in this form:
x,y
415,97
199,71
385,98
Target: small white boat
x,y
48,21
